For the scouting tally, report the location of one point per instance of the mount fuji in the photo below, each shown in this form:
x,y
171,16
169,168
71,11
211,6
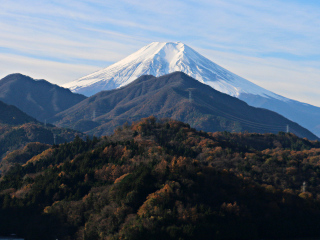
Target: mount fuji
x,y
160,58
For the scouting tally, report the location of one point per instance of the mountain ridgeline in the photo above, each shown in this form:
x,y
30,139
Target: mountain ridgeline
x,y
176,96
38,98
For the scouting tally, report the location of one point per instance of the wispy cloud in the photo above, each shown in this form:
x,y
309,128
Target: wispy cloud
x,y
299,81
52,71
265,41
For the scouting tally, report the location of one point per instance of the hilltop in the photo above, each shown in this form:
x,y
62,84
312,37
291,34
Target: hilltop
x,y
38,98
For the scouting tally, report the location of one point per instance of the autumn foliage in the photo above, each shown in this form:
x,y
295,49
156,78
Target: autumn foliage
x,y
161,179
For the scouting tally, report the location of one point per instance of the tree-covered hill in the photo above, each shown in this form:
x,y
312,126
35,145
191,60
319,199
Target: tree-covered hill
x,y
164,180
176,96
17,129
15,137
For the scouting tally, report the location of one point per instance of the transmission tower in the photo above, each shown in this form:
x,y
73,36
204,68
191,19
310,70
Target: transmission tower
x,y
190,94
288,130
94,115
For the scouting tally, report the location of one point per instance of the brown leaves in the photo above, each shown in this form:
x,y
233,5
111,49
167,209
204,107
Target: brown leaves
x,y
230,208
111,172
151,206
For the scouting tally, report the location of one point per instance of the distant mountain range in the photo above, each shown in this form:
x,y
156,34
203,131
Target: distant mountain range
x,y
38,98
176,96
158,59
101,113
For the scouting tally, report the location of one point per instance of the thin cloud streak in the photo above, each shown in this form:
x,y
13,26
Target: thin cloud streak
x,y
51,71
263,41
283,77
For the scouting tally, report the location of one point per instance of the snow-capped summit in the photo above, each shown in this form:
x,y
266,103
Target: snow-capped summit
x,y
160,58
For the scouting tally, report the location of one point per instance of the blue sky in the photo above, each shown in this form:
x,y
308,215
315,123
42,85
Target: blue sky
x,y
275,43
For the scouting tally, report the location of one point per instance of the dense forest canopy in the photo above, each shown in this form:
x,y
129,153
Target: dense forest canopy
x,y
162,179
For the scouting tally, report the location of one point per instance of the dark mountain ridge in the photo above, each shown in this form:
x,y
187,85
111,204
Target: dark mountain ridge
x,y
13,116
38,98
169,96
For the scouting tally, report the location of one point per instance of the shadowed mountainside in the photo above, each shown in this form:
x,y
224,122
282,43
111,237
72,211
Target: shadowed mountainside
x,y
12,115
38,98
168,97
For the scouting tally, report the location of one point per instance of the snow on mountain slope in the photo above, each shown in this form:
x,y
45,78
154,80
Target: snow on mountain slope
x,y
160,58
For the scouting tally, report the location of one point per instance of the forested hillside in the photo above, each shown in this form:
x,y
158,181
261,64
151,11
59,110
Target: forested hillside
x,y
164,180
16,137
175,96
